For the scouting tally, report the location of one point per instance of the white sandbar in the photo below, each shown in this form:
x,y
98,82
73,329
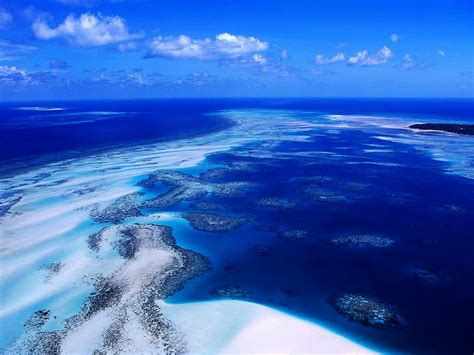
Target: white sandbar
x,y
238,327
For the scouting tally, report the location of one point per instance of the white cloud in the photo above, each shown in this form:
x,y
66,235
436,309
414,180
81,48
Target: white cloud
x,y
260,59
6,19
88,30
7,71
441,53
138,79
363,58
223,46
283,54
359,57
15,77
394,37
407,61
322,59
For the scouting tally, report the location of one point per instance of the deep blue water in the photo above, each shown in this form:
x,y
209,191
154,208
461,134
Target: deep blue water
x,y
86,125
406,202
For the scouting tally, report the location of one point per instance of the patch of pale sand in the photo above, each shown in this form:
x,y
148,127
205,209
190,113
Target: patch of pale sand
x,y
68,279
238,327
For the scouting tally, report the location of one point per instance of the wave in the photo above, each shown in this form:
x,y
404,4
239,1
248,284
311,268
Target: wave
x,y
39,108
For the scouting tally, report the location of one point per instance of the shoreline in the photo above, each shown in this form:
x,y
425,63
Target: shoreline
x,y
255,328
456,128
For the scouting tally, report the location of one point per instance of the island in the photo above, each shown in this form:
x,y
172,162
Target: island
x,y
458,128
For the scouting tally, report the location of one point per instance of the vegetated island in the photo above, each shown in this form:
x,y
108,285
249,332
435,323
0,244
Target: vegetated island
x,y
458,128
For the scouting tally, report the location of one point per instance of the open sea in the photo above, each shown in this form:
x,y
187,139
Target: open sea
x,y
329,168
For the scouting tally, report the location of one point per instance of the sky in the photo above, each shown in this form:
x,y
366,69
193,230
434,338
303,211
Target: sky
x,y
81,49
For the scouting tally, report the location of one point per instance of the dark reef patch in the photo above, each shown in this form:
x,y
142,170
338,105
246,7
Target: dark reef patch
x,y
186,187
7,201
364,240
275,202
118,210
367,311
293,234
94,240
231,292
213,222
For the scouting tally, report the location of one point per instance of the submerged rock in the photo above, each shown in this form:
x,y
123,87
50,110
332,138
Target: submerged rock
x,y
275,202
293,234
94,240
233,189
232,292
323,195
52,269
186,187
454,210
364,240
208,222
7,201
38,319
367,311
117,211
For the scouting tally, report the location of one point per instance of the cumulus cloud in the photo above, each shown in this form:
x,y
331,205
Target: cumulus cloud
x,y
283,54
11,71
6,19
323,59
14,51
394,37
223,46
441,53
260,59
364,59
15,77
88,30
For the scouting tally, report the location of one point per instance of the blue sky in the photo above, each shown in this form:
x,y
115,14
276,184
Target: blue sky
x,y
71,49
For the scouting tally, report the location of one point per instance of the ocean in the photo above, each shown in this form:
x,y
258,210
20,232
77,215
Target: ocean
x,y
316,198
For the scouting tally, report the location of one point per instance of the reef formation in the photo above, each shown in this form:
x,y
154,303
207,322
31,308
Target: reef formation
x,y
364,240
367,311
123,307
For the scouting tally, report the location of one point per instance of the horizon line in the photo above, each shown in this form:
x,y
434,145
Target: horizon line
x,y
463,98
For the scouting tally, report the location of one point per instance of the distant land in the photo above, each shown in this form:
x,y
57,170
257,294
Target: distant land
x,y
467,129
